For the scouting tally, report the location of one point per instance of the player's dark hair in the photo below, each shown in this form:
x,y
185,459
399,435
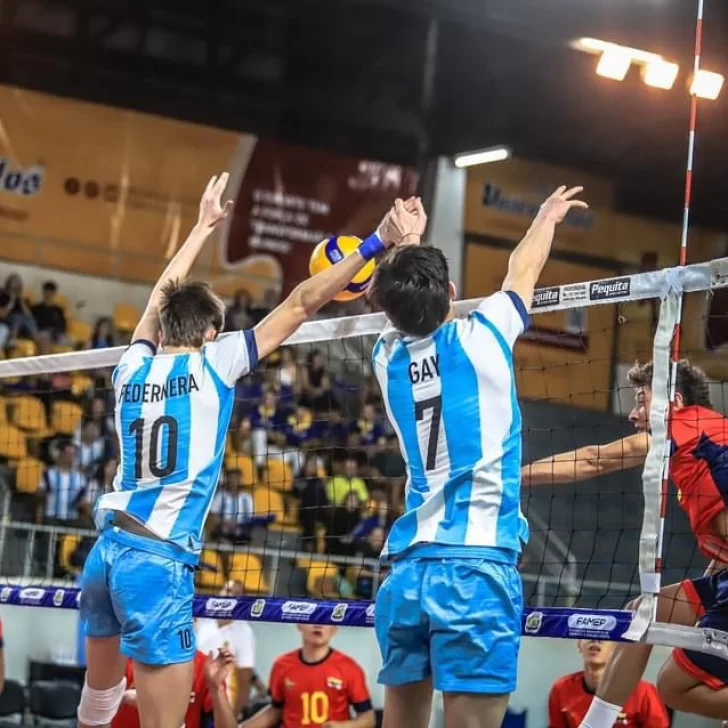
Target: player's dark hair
x,y
412,286
692,382
188,311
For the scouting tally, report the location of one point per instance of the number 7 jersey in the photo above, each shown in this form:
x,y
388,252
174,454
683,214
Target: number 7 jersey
x,y
172,416
451,398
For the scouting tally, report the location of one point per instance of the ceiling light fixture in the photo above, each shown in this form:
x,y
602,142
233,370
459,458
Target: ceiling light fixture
x,y
614,64
482,156
660,74
707,85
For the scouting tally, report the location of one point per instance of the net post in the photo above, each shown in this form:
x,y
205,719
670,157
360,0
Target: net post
x,y
655,473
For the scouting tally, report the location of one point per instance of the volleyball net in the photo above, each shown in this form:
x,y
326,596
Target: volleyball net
x,y
313,478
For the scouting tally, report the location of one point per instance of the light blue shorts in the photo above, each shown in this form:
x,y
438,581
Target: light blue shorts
x,y
457,620
131,586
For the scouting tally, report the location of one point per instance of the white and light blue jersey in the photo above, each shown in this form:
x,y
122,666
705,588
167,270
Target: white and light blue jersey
x,y
451,398
172,416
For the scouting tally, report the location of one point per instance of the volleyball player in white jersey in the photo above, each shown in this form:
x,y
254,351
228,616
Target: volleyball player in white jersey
x,y
449,614
172,415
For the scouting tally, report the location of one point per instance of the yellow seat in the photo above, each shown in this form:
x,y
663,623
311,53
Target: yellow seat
x,y
243,463
23,348
69,543
278,475
28,475
3,410
61,349
80,384
248,570
316,573
79,332
29,414
126,316
66,417
268,501
211,579
12,443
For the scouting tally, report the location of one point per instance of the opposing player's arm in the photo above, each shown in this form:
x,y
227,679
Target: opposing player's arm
x,y
557,717
315,292
359,698
211,213
269,717
530,255
587,462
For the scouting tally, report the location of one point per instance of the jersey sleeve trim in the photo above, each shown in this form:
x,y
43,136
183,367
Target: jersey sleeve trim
x,y
146,343
520,306
362,707
277,704
252,346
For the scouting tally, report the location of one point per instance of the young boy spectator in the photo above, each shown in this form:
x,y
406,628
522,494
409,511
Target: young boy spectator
x,y
62,487
232,510
48,315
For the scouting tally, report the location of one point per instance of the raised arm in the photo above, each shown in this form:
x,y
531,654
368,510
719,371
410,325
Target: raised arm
x,y
530,255
308,297
587,462
211,213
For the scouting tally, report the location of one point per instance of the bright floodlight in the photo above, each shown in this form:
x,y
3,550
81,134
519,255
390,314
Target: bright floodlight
x,y
660,74
707,85
484,156
614,64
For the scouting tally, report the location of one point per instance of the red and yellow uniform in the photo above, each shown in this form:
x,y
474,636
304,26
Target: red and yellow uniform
x,y
200,699
311,694
570,698
699,469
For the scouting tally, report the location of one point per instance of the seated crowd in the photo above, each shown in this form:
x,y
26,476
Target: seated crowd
x,y
306,453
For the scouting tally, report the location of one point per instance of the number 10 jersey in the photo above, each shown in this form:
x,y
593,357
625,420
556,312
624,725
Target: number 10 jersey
x,y
172,416
451,398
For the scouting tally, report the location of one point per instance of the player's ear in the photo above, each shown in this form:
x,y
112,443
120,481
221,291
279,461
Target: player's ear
x,y
452,291
210,335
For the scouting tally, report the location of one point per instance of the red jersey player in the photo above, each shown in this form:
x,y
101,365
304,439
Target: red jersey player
x,y
571,695
689,681
208,697
316,686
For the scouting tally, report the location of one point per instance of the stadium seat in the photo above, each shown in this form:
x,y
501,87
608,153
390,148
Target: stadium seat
x,y
277,474
316,572
248,570
212,577
126,317
69,543
22,348
79,332
66,417
3,410
54,700
244,463
81,384
12,699
12,443
61,349
29,414
266,500
28,475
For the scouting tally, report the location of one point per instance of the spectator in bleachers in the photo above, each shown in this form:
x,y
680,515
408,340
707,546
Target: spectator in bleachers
x,y
104,335
340,486
238,315
316,390
387,473
272,380
102,481
301,429
48,315
15,309
379,518
269,415
270,300
91,446
97,411
232,510
269,420
62,487
369,548
288,374
242,437
344,519
368,431
334,429
311,491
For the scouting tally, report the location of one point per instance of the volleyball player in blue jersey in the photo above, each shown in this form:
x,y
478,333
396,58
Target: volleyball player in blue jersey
x,y
449,614
172,413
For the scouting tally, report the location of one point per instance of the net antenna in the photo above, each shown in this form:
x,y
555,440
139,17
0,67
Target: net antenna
x,y
655,477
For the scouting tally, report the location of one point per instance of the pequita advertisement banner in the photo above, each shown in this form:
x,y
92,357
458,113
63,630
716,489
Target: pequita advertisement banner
x,y
110,192
502,199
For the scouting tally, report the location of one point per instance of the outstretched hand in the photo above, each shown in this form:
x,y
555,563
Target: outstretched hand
x,y
561,201
212,210
404,223
217,669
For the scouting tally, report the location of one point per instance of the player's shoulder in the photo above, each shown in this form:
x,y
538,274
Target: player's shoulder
x,y
343,661
288,660
568,683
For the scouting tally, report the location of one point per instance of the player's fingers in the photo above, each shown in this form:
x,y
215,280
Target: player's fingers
x,y
571,192
210,185
399,207
420,207
578,203
559,191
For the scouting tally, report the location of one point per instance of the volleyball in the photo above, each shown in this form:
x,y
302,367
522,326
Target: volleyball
x,y
329,252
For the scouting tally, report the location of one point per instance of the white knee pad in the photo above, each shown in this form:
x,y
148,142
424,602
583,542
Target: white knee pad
x,y
98,707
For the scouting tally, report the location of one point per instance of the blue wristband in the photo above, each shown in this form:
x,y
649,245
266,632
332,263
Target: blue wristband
x,y
371,247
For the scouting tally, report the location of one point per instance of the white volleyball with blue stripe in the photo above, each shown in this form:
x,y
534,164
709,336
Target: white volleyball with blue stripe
x,y
329,252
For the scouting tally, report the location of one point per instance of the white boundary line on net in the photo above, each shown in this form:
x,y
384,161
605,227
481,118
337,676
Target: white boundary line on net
x,y
637,287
